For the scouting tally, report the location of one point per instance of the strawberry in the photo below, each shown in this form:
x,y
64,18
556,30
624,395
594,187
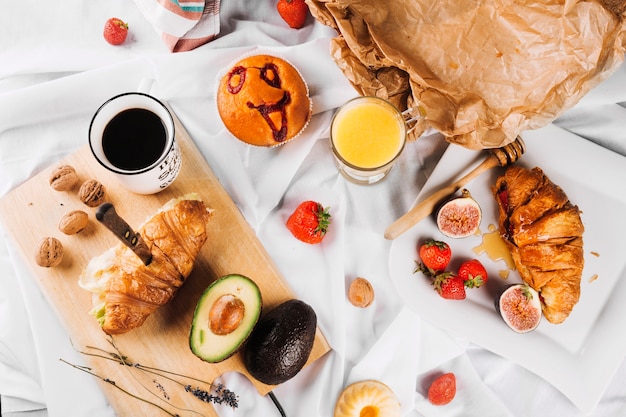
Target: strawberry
x,y
115,31
473,273
443,389
435,256
449,286
309,222
294,12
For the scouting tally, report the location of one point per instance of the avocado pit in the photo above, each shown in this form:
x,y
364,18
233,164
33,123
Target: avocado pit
x,y
226,314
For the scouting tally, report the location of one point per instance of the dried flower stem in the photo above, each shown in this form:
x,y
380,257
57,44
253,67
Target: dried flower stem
x,y
221,396
224,396
111,382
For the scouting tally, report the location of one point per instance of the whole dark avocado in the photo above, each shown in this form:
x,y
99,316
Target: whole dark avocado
x,y
281,342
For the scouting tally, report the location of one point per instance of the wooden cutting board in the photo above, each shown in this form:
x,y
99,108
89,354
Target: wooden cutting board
x,y
32,211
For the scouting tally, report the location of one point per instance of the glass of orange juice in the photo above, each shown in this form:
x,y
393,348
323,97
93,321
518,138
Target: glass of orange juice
x,y
367,135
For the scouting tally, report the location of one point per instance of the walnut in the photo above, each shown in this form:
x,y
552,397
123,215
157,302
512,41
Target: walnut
x,y
91,193
49,252
73,222
63,178
361,293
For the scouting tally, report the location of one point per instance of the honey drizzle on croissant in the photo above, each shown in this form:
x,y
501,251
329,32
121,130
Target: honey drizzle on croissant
x,y
543,231
133,291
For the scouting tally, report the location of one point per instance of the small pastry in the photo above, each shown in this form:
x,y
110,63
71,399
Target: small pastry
x,y
367,398
263,101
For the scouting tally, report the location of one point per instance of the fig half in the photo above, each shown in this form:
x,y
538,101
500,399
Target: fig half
x,y
459,217
520,307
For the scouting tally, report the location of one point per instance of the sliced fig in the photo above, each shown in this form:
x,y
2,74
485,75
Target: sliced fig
x,y
459,217
520,307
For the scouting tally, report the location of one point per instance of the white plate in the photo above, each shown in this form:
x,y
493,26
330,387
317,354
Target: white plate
x,y
579,356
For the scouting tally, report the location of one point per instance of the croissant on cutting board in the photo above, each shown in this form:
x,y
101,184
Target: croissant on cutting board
x,y
125,291
543,231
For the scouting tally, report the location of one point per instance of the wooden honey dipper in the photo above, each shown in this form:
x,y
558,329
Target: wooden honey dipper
x,y
501,157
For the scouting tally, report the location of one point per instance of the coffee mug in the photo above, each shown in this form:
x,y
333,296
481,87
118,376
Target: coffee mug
x,y
132,136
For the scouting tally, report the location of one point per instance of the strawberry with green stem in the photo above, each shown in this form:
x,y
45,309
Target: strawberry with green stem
x,y
309,222
449,286
435,256
473,273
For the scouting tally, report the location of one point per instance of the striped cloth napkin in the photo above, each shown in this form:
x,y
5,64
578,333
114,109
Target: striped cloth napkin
x,y
183,24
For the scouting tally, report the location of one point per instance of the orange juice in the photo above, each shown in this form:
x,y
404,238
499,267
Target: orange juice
x,y
368,133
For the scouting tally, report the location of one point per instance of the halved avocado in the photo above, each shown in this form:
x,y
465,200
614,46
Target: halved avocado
x,y
224,317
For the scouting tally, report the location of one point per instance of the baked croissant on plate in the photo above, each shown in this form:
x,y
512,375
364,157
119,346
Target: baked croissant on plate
x,y
543,231
125,290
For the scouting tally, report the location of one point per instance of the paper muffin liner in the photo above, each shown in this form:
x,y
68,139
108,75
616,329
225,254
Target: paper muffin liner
x,y
258,52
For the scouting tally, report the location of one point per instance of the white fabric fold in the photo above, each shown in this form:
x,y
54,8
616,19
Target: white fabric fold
x,y
20,383
46,380
600,116
394,358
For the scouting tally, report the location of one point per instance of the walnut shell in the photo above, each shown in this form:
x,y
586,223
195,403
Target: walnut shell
x,y
49,252
91,193
63,178
361,293
73,222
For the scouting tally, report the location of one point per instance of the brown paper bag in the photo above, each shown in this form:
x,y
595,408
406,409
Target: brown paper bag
x,y
484,70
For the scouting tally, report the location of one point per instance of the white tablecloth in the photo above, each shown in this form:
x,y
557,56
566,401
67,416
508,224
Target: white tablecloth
x,y
55,70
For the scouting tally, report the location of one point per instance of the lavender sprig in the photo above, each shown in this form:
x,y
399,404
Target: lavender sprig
x,y
224,396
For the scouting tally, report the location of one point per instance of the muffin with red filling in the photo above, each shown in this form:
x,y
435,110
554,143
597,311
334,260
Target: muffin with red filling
x,y
263,101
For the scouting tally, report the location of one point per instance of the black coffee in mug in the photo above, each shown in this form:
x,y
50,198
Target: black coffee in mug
x,y
134,139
